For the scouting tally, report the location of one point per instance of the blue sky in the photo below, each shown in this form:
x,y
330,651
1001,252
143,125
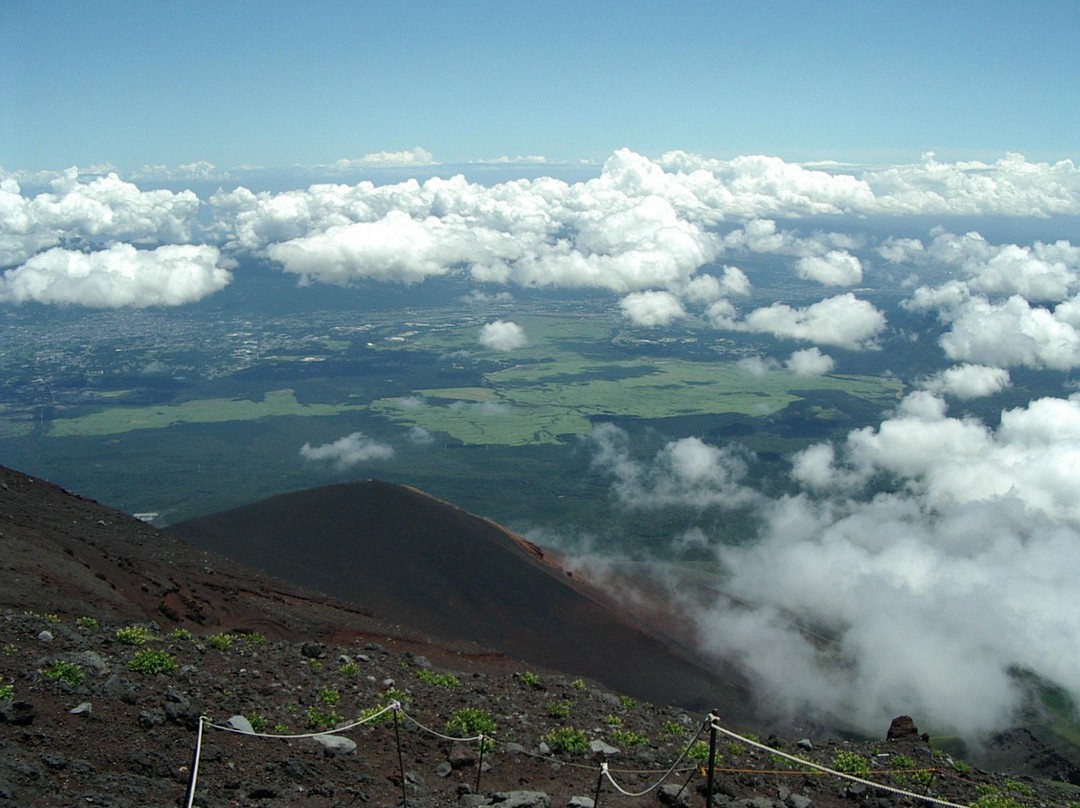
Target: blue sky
x,y
277,84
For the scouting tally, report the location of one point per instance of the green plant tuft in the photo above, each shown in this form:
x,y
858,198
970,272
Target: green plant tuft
x,y
349,669
87,622
222,642
566,739
316,719
329,696
559,709
850,762
65,672
133,635
671,728
529,678
148,660
7,692
470,721
628,737
447,680
699,753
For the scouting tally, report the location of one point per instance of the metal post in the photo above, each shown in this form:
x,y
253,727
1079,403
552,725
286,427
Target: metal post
x,y
480,765
401,761
712,761
599,782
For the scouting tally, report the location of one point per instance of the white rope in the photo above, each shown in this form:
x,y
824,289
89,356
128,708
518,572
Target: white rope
x,y
881,786
195,763
686,750
437,734
360,722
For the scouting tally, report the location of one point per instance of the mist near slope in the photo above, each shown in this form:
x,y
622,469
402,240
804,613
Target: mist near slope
x,y
916,569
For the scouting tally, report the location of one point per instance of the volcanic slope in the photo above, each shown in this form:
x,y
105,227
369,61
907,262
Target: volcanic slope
x,y
416,560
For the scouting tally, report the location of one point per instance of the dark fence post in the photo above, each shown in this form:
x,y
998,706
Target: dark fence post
x,y
712,760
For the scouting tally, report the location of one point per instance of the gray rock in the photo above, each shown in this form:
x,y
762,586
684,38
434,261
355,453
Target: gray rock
x,y
671,794
83,709
473,801
312,650
805,743
183,715
45,636
175,696
335,744
17,713
760,802
799,801
513,748
240,724
543,749
581,802
522,799
443,769
462,755
148,719
117,688
421,661
598,747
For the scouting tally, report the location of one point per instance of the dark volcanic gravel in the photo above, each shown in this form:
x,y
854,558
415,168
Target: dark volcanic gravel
x,y
135,744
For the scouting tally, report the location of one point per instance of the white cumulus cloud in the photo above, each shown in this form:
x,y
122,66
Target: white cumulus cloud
x,y
503,335
652,309
968,381
844,321
348,451
118,276
810,362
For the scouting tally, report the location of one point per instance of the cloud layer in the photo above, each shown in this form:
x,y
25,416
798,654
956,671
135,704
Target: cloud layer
x,y
119,276
856,606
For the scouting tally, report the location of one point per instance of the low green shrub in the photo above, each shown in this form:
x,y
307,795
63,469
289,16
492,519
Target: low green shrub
x,y
628,738
148,660
559,709
850,762
329,696
699,753
447,680
470,721
316,719
221,642
65,672
529,678
133,635
566,739
7,692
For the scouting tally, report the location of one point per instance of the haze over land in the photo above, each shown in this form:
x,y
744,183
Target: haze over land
x,y
841,392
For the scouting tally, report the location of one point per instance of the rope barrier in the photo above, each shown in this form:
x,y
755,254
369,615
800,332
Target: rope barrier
x,y
606,772
430,731
353,725
686,750
715,725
